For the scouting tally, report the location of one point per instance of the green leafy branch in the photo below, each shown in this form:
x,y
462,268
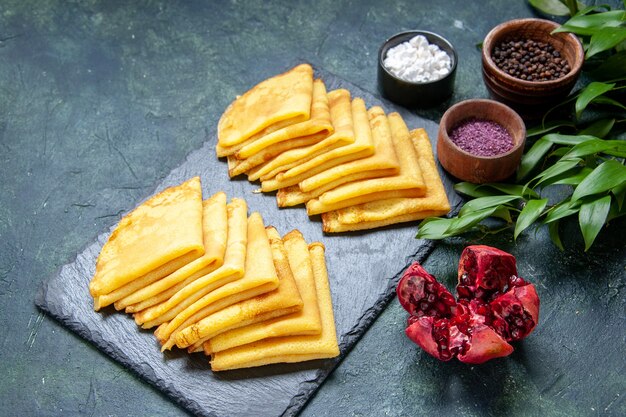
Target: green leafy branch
x,y
581,154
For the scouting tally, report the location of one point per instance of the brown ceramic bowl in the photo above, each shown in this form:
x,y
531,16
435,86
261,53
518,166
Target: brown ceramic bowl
x,y
480,169
526,96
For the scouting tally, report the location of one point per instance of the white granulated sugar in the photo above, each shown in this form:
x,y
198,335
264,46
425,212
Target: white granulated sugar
x,y
418,61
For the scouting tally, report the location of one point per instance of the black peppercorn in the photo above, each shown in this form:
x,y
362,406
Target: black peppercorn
x,y
530,60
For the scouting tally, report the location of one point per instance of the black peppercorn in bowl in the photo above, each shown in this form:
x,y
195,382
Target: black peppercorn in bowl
x,y
416,93
528,67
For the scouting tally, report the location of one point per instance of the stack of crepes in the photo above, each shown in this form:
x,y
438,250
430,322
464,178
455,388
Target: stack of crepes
x,y
357,167
214,279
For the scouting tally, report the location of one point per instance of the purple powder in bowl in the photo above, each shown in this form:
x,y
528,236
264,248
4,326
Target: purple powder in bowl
x,y
481,137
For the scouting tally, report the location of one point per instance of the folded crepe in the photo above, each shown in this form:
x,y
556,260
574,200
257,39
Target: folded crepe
x,y
283,300
319,122
160,236
277,102
304,322
408,183
391,211
363,146
383,163
290,348
341,118
260,277
214,226
232,269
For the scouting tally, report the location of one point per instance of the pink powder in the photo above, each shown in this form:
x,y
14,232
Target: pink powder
x,y
481,137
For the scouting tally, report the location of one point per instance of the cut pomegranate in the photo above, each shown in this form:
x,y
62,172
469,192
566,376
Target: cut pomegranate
x,y
494,307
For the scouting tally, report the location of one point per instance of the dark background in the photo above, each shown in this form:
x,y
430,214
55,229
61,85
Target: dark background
x,y
99,100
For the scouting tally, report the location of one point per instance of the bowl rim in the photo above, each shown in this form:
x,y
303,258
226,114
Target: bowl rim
x,y
485,102
415,32
571,76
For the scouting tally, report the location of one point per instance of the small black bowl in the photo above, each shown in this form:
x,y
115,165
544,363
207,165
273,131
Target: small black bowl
x,y
412,94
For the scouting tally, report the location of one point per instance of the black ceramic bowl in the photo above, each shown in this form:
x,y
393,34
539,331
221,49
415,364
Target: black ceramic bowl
x,y
413,94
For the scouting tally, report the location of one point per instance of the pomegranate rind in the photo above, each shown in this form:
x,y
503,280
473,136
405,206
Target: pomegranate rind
x,y
421,333
527,297
411,290
487,270
486,345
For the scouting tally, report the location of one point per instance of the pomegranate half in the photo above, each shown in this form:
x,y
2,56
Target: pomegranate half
x,y
493,307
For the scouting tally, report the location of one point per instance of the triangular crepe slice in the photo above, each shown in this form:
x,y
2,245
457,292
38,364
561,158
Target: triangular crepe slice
x,y
318,122
383,163
341,118
283,99
232,269
283,300
362,147
214,226
384,158
155,239
304,322
384,212
259,277
290,348
242,166
408,183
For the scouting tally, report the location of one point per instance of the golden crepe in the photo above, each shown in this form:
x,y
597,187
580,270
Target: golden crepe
x,y
408,183
290,348
384,212
242,166
214,226
278,101
232,269
283,300
341,117
304,322
362,147
383,163
259,277
318,123
155,239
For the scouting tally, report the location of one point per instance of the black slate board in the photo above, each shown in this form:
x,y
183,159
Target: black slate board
x,y
363,267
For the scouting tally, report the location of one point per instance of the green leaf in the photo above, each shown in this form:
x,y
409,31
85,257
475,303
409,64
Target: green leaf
x,y
605,39
485,202
553,230
563,209
504,213
588,24
591,218
472,190
599,128
610,102
531,158
612,67
559,152
548,127
513,189
573,179
620,194
531,212
589,93
433,228
551,7
605,176
567,139
555,170
465,222
591,147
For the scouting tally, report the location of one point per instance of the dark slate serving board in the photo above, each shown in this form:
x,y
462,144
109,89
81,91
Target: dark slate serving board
x,y
363,267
